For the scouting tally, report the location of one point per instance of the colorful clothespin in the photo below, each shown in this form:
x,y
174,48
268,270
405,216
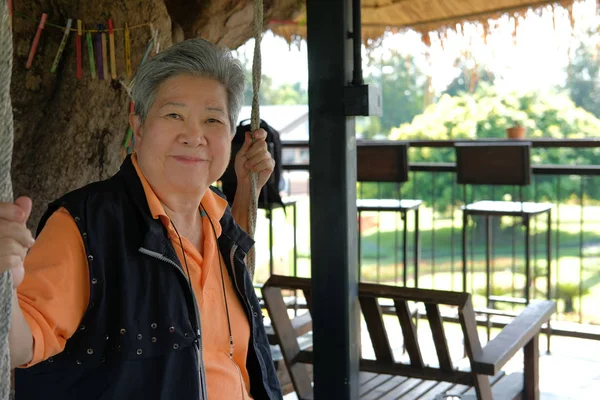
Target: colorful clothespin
x,y
113,60
90,46
104,54
36,40
127,52
61,47
129,138
98,45
10,12
78,40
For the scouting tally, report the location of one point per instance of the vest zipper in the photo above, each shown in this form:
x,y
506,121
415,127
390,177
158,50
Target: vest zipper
x,y
198,345
249,307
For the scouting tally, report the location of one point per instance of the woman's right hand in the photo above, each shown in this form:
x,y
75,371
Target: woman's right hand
x,y
15,238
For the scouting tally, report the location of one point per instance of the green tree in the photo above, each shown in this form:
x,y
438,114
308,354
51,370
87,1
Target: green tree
x,y
583,79
486,114
402,85
469,79
286,94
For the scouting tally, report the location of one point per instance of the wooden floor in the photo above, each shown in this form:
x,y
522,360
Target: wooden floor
x,y
570,372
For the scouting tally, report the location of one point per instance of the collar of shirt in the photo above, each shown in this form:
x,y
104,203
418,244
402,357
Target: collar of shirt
x,y
213,204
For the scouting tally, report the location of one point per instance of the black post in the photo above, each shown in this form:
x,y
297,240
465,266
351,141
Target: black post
x,y
336,322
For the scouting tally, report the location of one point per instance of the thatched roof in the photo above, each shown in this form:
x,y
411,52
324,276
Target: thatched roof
x,y
380,16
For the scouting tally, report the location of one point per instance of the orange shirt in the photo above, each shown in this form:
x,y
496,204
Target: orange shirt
x,y
55,293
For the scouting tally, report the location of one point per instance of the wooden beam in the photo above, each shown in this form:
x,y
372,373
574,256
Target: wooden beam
x,y
439,336
531,369
333,241
473,348
409,331
288,342
381,291
374,320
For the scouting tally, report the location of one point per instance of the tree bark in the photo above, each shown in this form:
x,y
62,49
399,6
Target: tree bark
x,y
69,131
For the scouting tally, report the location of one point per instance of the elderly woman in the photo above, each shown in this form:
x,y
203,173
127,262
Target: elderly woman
x,y
136,286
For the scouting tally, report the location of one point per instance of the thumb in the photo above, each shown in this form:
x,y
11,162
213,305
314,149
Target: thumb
x,y
25,204
247,143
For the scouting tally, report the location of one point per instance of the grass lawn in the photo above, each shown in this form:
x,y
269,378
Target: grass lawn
x,y
441,253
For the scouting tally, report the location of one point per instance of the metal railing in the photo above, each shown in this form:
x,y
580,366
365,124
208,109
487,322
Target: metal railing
x,y
575,230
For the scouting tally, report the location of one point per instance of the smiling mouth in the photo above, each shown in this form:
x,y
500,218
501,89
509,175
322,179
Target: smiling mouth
x,y
190,160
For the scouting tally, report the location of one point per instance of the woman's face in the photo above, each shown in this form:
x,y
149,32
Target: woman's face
x,y
184,144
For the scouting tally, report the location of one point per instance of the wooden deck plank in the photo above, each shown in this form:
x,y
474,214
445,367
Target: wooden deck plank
x,y
571,372
402,389
420,390
507,388
383,389
441,388
373,384
364,377
459,389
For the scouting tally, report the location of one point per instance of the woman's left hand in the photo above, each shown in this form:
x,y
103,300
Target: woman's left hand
x,y
254,157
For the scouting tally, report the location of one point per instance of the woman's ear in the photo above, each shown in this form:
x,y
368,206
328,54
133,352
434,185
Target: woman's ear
x,y
136,125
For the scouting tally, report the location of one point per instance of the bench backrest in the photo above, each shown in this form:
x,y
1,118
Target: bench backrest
x,y
369,296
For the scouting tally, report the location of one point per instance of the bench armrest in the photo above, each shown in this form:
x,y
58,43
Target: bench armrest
x,y
513,338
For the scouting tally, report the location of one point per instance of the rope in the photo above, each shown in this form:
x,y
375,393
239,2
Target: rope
x,y
6,144
254,125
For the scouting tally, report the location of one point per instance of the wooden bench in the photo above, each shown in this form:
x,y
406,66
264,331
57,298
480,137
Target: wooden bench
x,y
386,378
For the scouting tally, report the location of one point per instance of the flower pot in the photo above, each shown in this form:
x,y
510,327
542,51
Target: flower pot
x,y
516,132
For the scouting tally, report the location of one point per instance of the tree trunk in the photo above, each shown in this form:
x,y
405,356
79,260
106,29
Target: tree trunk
x,y
69,131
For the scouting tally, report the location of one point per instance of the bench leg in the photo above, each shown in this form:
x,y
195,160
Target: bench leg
x,y
417,247
549,273
465,221
531,370
488,272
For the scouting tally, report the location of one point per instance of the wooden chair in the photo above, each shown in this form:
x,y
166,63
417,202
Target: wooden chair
x,y
387,378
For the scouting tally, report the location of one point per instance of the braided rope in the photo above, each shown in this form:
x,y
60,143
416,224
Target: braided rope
x,y
254,125
6,144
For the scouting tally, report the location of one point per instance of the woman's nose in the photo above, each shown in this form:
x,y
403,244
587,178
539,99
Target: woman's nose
x,y
193,136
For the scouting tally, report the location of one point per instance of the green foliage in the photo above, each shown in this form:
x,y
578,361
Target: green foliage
x,y
286,94
470,79
583,79
402,84
486,114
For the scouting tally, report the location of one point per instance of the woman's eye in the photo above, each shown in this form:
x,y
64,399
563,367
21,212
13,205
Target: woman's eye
x,y
213,121
174,116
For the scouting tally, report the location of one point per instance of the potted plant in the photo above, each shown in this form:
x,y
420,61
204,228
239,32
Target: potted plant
x,y
516,131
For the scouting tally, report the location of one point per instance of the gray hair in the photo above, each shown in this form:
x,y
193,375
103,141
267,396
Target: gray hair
x,y
196,57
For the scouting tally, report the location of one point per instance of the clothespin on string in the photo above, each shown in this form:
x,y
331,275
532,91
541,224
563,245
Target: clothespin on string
x,y
98,46
61,47
104,54
78,40
10,12
129,139
127,51
36,40
90,47
113,60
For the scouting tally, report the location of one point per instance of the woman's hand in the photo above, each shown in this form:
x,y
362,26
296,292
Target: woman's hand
x,y
15,238
254,157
